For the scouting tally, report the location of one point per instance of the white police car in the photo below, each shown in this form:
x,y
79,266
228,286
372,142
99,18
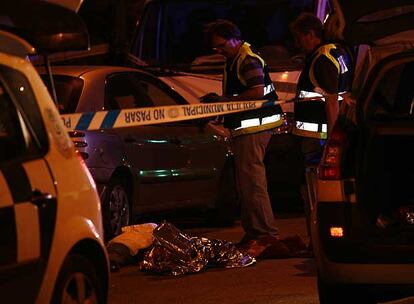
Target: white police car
x,y
51,234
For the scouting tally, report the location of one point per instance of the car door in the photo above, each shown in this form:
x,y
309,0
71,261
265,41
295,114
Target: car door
x,y
385,167
203,149
27,192
154,152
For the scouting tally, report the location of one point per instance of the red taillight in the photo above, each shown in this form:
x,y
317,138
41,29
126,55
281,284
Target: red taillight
x,y
330,165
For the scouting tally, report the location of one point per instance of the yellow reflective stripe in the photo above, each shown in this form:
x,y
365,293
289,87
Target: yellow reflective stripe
x,y
270,119
245,51
256,129
323,51
253,122
311,134
342,64
310,129
307,94
267,89
311,126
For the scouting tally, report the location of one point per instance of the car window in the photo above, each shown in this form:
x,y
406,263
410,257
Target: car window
x,y
157,95
19,89
123,91
68,91
17,137
394,96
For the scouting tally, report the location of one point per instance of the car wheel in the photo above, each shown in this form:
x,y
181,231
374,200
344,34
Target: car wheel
x,y
116,208
77,282
227,203
343,293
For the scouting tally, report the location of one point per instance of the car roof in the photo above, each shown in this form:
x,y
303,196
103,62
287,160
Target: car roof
x,y
79,70
14,45
369,21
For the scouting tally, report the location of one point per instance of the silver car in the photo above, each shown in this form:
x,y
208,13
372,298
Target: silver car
x,y
146,169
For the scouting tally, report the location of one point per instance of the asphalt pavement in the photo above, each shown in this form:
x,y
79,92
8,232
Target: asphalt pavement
x,y
286,281
275,281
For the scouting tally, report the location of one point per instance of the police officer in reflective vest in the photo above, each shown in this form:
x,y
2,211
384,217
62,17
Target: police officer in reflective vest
x,y
246,78
327,72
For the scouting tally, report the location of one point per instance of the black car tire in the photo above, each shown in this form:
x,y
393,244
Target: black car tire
x,y
77,281
116,208
227,205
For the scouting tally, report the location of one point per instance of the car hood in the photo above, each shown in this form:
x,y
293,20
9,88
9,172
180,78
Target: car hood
x,y
370,21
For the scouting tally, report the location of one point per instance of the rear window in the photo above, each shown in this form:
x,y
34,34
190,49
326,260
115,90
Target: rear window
x,y
22,133
68,91
393,98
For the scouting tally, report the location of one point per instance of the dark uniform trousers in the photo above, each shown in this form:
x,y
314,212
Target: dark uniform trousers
x,y
256,209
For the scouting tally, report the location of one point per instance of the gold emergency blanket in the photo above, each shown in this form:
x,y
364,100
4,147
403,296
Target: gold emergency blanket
x,y
176,253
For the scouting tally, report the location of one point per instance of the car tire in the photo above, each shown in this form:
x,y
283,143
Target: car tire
x,y
78,281
116,208
227,205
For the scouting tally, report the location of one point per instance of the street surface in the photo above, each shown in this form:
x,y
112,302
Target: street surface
x,y
277,281
268,281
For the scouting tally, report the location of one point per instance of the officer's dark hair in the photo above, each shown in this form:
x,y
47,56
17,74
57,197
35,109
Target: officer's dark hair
x,y
305,23
223,28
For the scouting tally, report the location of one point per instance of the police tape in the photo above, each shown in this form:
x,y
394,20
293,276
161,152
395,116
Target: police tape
x,y
156,115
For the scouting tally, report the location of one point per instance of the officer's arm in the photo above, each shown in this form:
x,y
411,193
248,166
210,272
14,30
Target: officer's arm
x,y
252,73
326,75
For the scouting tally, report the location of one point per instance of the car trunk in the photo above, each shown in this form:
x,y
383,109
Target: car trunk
x,y
383,218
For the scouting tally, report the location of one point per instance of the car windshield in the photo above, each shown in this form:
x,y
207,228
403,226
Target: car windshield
x,y
68,91
264,24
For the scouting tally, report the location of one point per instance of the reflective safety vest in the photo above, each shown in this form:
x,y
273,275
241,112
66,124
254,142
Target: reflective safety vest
x,y
267,117
310,116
